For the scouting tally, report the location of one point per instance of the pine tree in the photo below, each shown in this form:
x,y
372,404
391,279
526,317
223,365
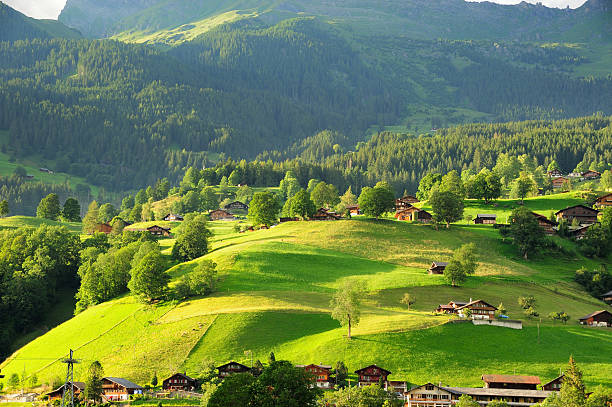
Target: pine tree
x,y
573,393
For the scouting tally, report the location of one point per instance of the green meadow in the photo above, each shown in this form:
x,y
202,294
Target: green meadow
x,y
274,292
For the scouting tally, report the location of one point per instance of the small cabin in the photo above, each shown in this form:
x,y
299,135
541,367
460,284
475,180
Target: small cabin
x,y
554,173
171,217
478,308
499,381
372,375
158,231
558,182
437,267
354,209
607,297
405,202
179,381
414,214
590,174
582,213
324,214
231,368
57,394
604,201
289,219
554,384
236,206
320,373
546,224
597,318
104,228
579,232
118,389
485,219
220,214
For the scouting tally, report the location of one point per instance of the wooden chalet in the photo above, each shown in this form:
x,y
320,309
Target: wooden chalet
x,y
554,384
179,381
289,219
158,231
354,209
500,381
321,375
405,202
604,201
597,318
77,388
324,214
231,368
558,182
171,217
590,174
437,267
220,214
545,223
485,219
103,228
607,297
414,214
372,375
554,173
118,389
430,395
584,214
236,206
478,308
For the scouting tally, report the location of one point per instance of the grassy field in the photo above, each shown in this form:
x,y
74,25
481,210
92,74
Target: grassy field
x,y
274,292
13,222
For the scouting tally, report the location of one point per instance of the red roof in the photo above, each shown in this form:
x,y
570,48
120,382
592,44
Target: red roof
x,y
500,378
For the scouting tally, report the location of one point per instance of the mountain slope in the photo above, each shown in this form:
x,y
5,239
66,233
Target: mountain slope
x,y
274,296
16,26
423,19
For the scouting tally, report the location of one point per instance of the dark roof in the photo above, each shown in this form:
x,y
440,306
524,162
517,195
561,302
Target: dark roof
x,y
184,376
123,382
487,391
439,263
606,294
603,311
233,363
378,367
460,303
78,385
492,306
157,226
515,379
544,219
554,380
576,206
485,215
326,367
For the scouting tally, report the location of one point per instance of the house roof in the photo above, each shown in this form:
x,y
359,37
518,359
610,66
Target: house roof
x,y
544,218
326,367
554,380
123,382
593,314
605,196
459,303
492,306
233,363
78,385
445,306
607,294
591,171
486,215
576,206
378,367
439,264
157,226
515,379
183,375
487,391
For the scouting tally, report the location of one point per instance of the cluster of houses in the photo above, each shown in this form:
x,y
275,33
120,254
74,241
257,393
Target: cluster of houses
x,y
558,179
228,212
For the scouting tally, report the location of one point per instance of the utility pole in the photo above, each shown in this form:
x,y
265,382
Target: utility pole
x,y
68,394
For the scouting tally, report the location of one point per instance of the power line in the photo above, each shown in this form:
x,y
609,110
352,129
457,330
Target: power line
x,y
68,394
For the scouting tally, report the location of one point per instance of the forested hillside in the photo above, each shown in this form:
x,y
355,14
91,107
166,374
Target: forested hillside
x,y
16,26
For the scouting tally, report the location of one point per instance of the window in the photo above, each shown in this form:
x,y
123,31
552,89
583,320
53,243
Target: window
x,y
429,387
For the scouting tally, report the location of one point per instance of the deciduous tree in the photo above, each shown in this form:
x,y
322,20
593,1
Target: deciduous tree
x,y
346,305
192,239
49,207
264,208
446,206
